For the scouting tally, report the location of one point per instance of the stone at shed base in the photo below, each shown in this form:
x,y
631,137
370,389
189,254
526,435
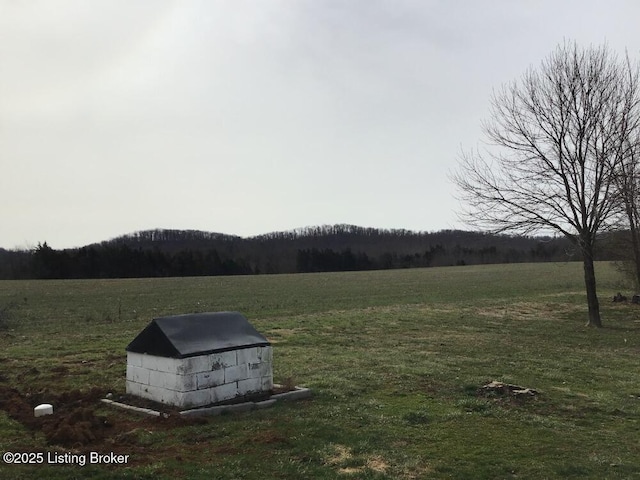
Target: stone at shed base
x,y
298,393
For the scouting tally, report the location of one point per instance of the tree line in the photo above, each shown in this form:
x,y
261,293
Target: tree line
x,y
169,253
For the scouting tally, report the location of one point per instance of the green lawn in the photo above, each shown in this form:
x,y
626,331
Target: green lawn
x,y
394,359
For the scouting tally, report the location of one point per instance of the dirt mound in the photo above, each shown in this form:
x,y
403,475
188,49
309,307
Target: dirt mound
x,y
76,428
12,402
75,423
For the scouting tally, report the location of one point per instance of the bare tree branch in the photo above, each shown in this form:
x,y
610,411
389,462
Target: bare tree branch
x,y
556,139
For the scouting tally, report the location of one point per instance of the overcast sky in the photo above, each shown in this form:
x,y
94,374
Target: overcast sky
x,y
248,117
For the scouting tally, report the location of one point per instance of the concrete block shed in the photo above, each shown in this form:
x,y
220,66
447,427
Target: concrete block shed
x,y
199,359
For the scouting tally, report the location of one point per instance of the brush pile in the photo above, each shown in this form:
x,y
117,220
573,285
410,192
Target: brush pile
x,y
500,389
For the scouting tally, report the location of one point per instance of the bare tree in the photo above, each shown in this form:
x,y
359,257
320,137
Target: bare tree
x,y
627,181
556,137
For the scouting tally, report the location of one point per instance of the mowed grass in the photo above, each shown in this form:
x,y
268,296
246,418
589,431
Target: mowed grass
x,y
394,359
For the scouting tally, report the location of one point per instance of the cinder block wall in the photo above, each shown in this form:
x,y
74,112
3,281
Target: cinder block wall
x,y
197,381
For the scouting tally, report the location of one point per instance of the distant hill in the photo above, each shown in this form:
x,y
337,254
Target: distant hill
x,y
172,252
171,240
340,236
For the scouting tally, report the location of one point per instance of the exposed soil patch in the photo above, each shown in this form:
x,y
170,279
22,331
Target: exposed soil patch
x,y
76,423
59,371
77,426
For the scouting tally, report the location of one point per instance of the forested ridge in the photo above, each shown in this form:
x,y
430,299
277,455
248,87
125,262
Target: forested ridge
x,y
167,252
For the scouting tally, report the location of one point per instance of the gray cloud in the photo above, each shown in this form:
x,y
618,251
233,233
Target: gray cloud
x,y
247,117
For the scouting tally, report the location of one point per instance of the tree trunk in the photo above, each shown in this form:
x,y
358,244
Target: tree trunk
x,y
590,284
632,215
635,240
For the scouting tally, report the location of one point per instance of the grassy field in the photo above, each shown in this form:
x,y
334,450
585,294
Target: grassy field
x,y
394,358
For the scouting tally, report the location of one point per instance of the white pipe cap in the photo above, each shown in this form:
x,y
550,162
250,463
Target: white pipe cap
x,y
44,409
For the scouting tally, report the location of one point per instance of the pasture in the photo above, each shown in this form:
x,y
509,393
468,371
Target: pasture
x,y
394,360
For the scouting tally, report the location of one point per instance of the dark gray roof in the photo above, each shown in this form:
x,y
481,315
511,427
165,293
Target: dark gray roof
x,y
180,336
